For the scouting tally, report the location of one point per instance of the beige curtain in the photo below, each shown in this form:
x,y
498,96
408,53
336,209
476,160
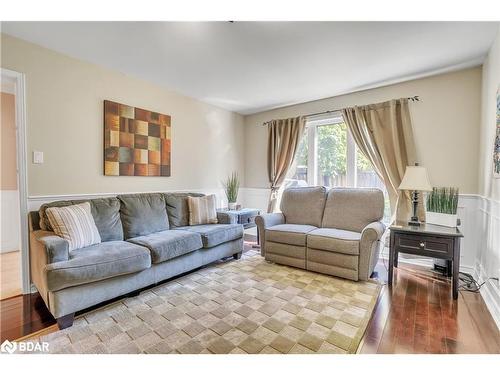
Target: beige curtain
x,y
383,133
283,139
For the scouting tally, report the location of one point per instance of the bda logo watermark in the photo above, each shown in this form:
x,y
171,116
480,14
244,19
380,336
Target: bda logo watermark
x,y
8,347
11,347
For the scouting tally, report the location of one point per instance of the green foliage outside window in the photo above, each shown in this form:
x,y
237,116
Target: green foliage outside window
x,y
332,151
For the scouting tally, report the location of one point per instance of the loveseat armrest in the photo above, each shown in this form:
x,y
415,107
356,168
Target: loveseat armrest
x,y
369,248
373,230
224,217
264,221
49,245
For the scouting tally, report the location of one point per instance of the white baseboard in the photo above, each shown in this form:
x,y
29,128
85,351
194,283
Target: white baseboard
x,y
490,292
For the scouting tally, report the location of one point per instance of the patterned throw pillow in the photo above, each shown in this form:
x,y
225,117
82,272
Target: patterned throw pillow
x,y
202,210
75,224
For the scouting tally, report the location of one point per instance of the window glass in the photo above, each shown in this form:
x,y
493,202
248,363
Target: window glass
x,y
332,155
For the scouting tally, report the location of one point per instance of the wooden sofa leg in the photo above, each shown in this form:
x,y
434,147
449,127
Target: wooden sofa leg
x,y
237,255
65,321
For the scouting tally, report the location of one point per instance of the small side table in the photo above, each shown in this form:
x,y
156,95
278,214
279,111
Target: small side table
x,y
428,240
246,217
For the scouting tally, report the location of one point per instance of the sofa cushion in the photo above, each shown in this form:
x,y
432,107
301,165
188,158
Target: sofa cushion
x,y
105,211
304,205
169,244
292,234
215,234
202,210
75,224
335,240
178,209
97,262
143,214
353,208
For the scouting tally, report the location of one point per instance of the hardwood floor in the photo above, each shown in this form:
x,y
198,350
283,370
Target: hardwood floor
x,y
23,315
10,274
417,316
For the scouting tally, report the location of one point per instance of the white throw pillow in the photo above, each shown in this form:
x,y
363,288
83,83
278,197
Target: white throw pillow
x,y
202,210
75,224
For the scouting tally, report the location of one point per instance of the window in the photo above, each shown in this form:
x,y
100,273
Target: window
x,y
327,155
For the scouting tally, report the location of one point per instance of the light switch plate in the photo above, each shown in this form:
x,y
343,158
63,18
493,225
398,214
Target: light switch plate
x,y
37,157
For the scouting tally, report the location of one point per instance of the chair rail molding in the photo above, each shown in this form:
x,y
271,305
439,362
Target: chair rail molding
x,y
35,201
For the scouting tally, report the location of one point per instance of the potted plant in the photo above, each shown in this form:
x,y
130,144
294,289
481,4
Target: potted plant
x,y
442,206
231,186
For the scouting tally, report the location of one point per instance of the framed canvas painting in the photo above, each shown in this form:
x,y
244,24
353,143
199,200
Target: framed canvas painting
x,y
137,142
496,150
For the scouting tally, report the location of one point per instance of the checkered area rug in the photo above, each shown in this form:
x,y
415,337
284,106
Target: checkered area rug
x,y
244,306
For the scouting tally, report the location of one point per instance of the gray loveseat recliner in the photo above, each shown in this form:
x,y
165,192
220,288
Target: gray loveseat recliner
x,y
336,232
145,239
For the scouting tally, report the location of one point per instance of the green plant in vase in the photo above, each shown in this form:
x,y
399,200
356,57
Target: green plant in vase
x,y
442,204
231,187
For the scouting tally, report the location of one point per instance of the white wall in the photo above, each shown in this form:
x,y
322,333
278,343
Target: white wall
x,y
64,101
488,225
445,126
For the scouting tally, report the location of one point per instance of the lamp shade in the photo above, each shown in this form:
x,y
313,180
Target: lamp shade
x,y
415,178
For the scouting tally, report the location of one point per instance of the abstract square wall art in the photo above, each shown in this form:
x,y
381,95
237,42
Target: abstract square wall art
x,y
496,150
137,142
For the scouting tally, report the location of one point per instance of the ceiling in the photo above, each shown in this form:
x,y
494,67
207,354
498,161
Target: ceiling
x,y
248,67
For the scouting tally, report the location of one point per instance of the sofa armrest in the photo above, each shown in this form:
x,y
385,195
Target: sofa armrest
x,y
55,248
45,248
265,221
369,248
224,217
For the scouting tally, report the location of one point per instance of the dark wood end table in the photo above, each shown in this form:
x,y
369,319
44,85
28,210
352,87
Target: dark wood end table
x,y
428,240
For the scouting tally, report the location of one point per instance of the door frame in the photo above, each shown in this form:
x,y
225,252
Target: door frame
x,y
22,175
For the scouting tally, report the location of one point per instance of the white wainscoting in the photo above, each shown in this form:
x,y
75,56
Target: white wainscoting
x,y
255,198
10,221
488,254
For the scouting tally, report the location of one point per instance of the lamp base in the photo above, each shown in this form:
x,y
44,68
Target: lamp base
x,y
414,218
414,223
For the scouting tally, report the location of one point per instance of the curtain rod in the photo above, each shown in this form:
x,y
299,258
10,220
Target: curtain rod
x,y
415,98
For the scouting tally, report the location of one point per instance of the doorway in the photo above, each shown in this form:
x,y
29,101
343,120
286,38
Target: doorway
x,y
14,267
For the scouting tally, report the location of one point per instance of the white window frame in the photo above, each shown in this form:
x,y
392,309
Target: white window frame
x,y
312,125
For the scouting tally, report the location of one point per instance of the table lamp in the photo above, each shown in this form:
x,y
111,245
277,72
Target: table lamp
x,y
415,180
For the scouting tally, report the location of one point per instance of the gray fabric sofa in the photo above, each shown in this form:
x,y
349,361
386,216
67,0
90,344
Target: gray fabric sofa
x,y
336,232
145,239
